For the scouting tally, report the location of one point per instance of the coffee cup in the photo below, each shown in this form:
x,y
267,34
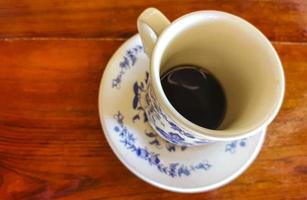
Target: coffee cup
x,y
234,51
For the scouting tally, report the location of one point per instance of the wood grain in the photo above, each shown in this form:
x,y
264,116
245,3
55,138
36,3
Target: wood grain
x,y
52,145
280,20
52,56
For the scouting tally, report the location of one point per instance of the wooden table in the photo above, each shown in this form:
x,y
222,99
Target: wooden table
x,y
52,56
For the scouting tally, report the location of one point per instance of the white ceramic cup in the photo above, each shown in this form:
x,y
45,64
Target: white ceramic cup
x,y
234,51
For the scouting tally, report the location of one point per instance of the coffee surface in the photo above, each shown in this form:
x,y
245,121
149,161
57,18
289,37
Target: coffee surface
x,y
196,94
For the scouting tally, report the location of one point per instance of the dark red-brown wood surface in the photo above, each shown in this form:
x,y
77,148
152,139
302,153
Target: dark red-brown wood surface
x,y
52,56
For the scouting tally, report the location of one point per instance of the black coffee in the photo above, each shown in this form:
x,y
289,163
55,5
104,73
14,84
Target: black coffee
x,y
195,94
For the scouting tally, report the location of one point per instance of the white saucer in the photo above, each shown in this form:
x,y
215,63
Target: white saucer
x,y
174,168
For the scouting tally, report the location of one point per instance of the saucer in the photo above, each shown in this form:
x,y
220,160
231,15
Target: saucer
x,y
143,152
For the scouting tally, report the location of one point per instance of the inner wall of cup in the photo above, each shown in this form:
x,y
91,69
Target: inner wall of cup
x,y
239,57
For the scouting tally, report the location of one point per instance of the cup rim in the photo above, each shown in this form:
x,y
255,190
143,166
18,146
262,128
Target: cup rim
x,y
217,135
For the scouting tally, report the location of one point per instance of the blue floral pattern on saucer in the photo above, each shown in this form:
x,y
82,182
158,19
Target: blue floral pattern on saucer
x,y
173,169
128,61
232,146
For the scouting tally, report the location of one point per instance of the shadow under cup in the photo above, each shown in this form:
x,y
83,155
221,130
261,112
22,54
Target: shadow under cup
x,y
237,54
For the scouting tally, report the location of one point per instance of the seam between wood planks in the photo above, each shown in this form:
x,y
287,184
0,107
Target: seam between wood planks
x,y
10,39
63,38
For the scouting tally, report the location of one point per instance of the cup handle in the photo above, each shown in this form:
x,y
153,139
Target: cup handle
x,y
150,25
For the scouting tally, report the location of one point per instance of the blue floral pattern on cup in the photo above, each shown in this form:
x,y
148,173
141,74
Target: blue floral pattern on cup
x,y
139,89
159,120
155,140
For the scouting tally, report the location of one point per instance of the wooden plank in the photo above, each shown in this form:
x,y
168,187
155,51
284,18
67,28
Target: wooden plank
x,y
283,20
52,146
